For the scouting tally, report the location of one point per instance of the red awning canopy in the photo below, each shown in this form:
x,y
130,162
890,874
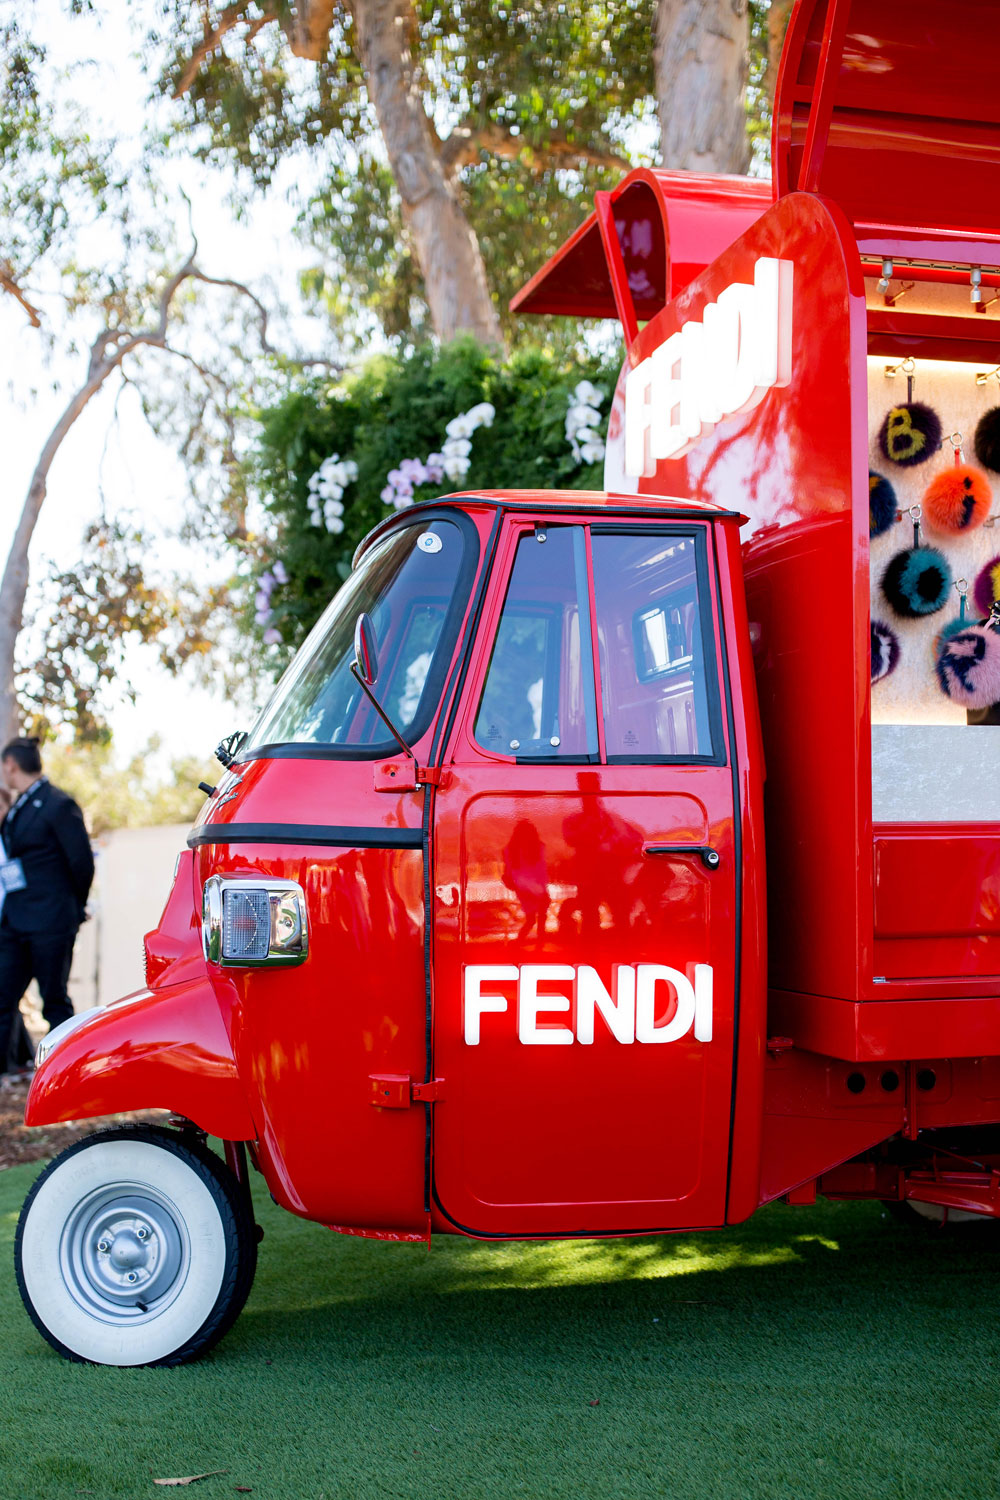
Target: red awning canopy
x,y
891,107
668,226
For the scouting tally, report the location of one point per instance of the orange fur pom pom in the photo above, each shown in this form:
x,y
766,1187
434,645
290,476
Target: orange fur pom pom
x,y
957,499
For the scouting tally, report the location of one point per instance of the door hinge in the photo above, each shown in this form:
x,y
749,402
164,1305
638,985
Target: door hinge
x,y
404,775
398,1091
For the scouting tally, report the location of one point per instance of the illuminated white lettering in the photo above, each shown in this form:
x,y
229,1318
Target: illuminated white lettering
x,y
710,370
618,1013
530,1002
629,1010
476,1003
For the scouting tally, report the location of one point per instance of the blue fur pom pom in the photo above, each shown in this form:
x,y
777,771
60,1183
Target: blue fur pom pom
x,y
917,581
881,503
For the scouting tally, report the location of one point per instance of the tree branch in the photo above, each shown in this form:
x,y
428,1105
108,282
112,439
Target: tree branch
x,y
308,28
466,142
9,284
210,42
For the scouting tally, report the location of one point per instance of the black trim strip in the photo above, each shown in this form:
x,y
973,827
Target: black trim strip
x,y
427,834
738,859
666,511
331,835
594,519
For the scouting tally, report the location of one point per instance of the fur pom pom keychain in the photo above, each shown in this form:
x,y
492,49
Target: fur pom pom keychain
x,y
885,650
987,439
968,668
986,590
958,499
911,432
916,582
958,624
881,504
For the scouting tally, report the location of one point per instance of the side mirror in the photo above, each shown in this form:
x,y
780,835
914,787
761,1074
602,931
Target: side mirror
x,y
366,650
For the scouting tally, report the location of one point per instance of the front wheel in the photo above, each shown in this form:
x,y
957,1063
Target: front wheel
x,y
135,1247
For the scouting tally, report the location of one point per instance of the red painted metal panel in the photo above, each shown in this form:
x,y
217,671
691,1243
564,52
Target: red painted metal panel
x,y
937,1025
798,462
904,130
573,1139
167,1049
937,900
307,1040
813,1121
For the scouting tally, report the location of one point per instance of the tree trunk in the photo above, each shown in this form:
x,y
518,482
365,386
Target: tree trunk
x,y
14,585
446,247
700,61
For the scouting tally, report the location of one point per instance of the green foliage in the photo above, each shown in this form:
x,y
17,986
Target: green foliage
x,y
398,407
88,614
54,178
136,795
545,103
760,87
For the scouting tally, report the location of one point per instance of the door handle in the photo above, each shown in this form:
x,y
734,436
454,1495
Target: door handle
x,y
710,858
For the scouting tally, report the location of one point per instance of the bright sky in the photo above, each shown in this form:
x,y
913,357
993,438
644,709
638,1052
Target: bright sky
x,y
114,453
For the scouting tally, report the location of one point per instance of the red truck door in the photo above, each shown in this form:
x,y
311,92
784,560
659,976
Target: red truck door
x,y
584,872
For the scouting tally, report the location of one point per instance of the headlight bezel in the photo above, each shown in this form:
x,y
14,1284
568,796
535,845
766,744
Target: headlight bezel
x,y
55,1038
286,904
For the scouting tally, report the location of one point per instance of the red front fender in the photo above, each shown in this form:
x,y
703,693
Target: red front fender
x,y
163,1049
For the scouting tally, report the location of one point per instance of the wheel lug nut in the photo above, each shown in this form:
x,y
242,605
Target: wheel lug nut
x,y
131,1277
142,1232
103,1247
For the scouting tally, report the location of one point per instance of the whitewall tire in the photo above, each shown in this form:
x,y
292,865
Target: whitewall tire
x,y
135,1247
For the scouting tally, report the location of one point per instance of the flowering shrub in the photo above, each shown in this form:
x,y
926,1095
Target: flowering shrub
x,y
583,421
452,462
334,461
326,487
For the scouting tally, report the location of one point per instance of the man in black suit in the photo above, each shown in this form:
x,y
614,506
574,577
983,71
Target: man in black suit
x,y
46,868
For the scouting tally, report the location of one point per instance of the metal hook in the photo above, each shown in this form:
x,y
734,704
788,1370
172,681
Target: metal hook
x,y
907,365
985,375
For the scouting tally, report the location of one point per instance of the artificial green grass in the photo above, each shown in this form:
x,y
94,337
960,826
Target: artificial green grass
x,y
814,1352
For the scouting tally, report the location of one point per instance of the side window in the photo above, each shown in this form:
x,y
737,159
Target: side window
x,y
655,637
538,701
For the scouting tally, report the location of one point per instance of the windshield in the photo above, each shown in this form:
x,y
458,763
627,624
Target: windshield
x,y
408,583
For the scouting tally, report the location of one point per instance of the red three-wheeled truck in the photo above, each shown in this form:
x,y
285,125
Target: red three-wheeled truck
x,y
590,872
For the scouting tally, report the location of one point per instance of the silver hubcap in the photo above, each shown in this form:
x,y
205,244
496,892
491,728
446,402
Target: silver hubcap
x,y
125,1253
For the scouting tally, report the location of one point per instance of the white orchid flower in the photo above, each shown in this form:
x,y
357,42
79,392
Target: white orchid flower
x,y
482,415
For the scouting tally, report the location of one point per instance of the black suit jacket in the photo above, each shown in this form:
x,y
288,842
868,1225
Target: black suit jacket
x,y
47,834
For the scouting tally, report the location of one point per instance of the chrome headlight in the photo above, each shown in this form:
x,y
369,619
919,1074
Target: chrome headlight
x,y
247,923
59,1034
